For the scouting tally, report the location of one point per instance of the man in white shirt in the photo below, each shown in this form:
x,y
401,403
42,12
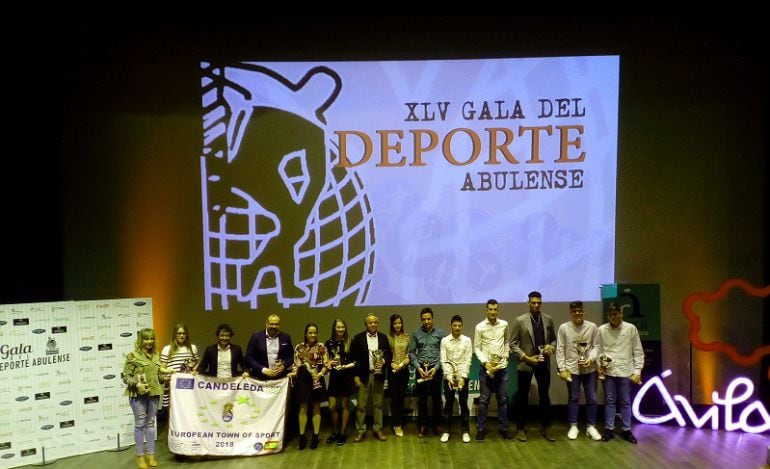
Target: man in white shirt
x,y
620,342
456,353
577,344
490,343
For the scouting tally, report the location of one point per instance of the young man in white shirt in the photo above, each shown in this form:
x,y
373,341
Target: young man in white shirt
x,y
456,353
620,342
490,344
577,345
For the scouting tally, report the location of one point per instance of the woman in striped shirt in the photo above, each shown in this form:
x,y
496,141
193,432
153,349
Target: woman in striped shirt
x,y
179,355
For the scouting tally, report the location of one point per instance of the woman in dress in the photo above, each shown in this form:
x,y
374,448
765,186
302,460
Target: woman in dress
x,y
310,368
399,373
341,385
141,373
179,355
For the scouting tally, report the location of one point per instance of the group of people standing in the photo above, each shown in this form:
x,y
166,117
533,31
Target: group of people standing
x,y
360,365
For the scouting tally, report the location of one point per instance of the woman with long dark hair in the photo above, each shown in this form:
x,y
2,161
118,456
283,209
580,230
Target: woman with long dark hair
x,y
399,372
341,385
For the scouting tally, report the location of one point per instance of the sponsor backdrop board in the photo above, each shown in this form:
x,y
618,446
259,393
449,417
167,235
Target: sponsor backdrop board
x,y
60,366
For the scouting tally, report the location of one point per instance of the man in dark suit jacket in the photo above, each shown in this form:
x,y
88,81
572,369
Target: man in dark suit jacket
x,y
370,375
532,340
209,365
268,346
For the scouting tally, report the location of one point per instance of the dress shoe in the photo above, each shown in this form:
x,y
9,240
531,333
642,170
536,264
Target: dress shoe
x,y
342,439
439,430
505,435
480,434
628,436
546,432
608,434
422,432
521,435
302,442
359,438
331,439
314,441
398,431
380,436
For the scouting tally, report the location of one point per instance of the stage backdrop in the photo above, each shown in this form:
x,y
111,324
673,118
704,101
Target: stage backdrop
x,y
60,366
407,182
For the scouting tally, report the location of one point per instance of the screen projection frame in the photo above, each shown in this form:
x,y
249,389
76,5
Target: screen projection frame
x,y
408,182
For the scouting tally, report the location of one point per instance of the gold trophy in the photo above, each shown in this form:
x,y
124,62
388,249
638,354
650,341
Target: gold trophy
x,y
141,378
495,360
188,365
604,360
378,360
426,370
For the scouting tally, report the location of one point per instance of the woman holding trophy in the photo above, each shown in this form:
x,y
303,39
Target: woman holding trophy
x,y
180,355
399,372
310,364
341,386
141,373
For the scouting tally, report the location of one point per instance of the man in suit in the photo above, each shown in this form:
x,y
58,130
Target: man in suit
x,y
270,354
223,359
532,340
370,375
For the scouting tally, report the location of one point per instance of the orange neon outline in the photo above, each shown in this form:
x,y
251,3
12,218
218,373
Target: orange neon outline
x,y
727,349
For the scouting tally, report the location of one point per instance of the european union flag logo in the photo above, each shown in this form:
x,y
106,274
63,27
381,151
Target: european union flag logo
x,y
185,383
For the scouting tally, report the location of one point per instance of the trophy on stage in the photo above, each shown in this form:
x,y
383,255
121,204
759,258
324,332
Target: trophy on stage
x,y
495,360
454,378
540,356
142,378
581,345
426,368
378,360
337,357
188,365
278,363
604,360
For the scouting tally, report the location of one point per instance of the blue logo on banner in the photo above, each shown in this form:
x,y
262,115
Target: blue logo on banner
x,y
258,446
185,383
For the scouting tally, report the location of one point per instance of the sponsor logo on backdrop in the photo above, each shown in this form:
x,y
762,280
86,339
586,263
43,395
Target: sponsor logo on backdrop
x,y
51,348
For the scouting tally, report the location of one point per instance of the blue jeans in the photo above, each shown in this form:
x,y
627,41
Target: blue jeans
x,y
588,381
617,393
145,408
500,386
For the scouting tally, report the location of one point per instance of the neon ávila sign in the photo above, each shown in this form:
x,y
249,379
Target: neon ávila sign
x,y
733,396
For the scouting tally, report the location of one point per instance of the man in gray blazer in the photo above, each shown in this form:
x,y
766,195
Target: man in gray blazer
x,y
532,340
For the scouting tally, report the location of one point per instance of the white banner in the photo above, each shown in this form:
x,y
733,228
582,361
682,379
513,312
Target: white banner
x,y
226,417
